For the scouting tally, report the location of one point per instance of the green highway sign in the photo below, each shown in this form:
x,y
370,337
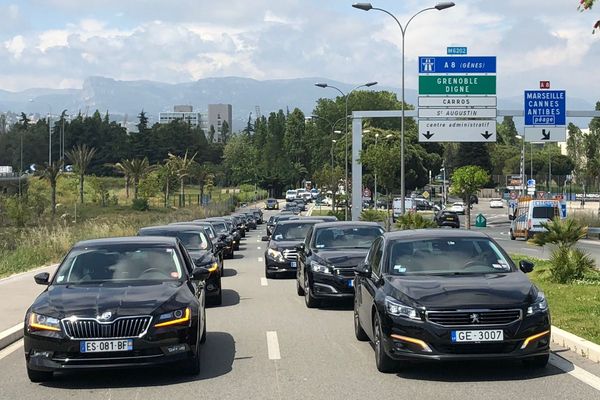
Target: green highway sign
x,y
457,84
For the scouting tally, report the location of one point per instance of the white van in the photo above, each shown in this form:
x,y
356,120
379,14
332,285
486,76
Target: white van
x,y
409,205
290,195
529,216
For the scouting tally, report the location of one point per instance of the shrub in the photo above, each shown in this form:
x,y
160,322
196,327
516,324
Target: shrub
x,y
140,204
412,220
373,215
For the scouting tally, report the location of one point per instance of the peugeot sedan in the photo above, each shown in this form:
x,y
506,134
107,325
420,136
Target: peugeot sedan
x,y
117,303
448,295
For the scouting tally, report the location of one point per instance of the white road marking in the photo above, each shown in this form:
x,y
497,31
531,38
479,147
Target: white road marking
x,y
576,372
273,346
258,248
260,259
264,282
11,349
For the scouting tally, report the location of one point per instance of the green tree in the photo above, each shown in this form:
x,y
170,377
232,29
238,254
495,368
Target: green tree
x,y
466,181
587,5
576,151
240,160
81,156
24,121
225,132
135,169
507,132
142,124
211,134
182,167
51,173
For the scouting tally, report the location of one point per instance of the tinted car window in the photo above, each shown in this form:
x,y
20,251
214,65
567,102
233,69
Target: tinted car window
x,y
347,237
446,256
291,231
375,260
120,263
219,227
543,212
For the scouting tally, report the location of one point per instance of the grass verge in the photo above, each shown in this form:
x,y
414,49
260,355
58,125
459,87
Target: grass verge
x,y
574,307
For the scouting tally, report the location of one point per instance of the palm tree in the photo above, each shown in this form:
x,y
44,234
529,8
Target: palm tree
x,y
182,167
124,167
51,173
135,170
81,156
166,173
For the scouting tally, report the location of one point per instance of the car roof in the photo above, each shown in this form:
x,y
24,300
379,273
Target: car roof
x,y
298,221
172,228
142,240
434,233
336,224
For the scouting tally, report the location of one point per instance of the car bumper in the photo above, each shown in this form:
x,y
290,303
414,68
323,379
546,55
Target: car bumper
x,y
449,223
278,266
331,286
174,344
399,340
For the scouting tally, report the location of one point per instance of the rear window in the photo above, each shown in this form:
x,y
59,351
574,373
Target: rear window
x,y
543,212
346,237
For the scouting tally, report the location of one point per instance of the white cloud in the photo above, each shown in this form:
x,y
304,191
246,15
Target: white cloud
x,y
15,46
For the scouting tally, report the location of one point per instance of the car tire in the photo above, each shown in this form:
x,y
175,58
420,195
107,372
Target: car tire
x,y
309,299
191,367
359,332
512,236
39,376
299,289
217,300
537,362
383,362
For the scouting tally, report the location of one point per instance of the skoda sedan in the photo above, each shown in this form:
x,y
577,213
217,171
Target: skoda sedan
x,y
448,295
118,303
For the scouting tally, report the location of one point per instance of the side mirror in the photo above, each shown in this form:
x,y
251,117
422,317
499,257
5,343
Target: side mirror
x,y
42,278
511,217
363,270
200,274
301,247
526,266
222,236
265,238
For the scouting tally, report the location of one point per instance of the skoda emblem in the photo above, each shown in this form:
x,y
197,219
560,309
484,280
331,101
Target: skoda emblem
x,y
474,318
105,316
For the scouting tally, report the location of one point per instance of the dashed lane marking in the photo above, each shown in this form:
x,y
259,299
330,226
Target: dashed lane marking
x,y
264,282
260,259
273,346
258,248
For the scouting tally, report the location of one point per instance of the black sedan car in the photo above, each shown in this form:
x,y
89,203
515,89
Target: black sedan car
x,y
447,218
448,295
301,204
328,256
217,241
272,204
199,246
223,234
281,254
117,303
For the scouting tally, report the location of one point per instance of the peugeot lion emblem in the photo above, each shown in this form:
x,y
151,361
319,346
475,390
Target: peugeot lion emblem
x,y
474,318
105,316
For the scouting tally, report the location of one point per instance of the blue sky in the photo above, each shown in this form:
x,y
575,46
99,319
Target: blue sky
x,y
58,43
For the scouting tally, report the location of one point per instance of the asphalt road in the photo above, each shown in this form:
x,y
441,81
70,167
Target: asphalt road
x,y
263,343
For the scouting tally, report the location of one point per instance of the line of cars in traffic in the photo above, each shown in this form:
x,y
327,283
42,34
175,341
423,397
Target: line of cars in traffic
x,y
430,294
132,301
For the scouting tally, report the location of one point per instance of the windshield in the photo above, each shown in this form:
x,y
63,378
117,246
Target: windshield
x,y
120,263
543,212
292,231
219,227
446,256
346,237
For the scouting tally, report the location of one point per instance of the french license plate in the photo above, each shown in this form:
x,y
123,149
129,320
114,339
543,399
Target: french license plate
x,y
293,264
105,346
449,219
351,283
490,335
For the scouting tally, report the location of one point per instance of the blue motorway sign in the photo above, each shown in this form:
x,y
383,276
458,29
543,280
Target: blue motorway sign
x,y
457,65
545,107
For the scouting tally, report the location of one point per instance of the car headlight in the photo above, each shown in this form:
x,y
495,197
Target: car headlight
x,y
539,305
211,266
323,269
177,317
275,254
397,309
38,322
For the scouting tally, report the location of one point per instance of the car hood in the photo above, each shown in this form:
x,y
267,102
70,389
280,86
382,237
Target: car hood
x,y
343,258
62,301
462,291
201,257
284,244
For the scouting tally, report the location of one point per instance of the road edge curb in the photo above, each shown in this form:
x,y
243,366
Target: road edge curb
x,y
581,346
11,335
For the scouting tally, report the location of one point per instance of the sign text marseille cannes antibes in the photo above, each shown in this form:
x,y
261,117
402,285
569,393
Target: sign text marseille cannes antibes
x,y
545,115
457,101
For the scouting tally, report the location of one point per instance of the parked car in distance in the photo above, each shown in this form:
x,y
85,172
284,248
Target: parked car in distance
x,y
496,203
327,257
447,218
457,207
281,255
112,303
271,204
427,295
200,248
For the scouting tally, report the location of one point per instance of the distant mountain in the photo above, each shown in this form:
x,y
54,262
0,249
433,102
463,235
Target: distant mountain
x,y
128,98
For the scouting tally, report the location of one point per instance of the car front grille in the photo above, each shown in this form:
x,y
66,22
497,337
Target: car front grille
x,y
474,317
89,328
477,348
290,255
345,272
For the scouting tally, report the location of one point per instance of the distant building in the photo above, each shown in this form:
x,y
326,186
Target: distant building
x,y
217,115
181,112
563,145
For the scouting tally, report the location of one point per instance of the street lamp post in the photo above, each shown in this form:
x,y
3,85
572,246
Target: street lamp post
x,y
375,194
346,96
368,7
522,165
